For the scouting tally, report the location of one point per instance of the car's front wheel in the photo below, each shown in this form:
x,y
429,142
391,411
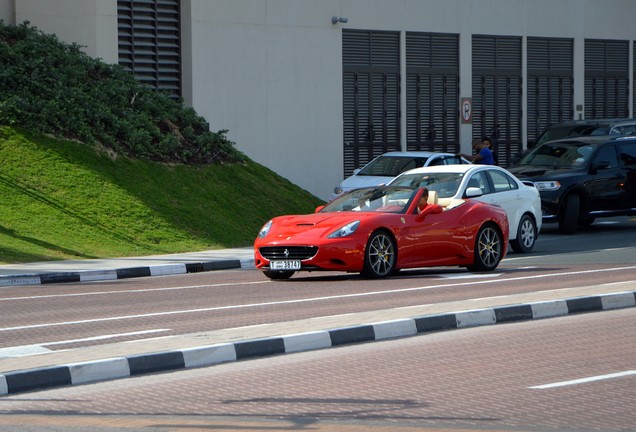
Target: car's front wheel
x,y
526,235
570,215
488,249
379,256
278,275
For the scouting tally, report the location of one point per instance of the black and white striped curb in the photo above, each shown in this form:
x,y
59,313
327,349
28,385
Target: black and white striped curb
x,y
120,367
123,273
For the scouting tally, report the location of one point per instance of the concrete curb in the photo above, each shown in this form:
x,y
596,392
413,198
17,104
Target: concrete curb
x,y
121,367
121,273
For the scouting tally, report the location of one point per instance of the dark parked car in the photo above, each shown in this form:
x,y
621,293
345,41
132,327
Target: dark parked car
x,y
592,127
580,128
580,179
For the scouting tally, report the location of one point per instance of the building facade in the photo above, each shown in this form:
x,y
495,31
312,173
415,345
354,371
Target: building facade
x,y
316,88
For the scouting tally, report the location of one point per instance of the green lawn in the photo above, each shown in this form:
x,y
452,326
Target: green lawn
x,y
66,200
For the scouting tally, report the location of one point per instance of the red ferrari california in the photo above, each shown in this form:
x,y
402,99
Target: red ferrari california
x,y
380,230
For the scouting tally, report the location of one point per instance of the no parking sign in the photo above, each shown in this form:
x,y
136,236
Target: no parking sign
x,y
466,108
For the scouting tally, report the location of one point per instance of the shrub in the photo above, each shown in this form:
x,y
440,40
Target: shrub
x,y
53,87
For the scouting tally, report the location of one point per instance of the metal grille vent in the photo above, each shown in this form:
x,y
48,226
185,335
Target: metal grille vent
x,y
150,42
606,78
371,95
497,90
550,82
432,91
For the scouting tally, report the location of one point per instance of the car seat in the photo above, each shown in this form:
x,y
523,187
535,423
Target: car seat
x,y
432,197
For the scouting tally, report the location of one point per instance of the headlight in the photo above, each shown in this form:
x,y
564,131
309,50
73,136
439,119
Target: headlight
x,y
337,190
346,230
263,232
547,185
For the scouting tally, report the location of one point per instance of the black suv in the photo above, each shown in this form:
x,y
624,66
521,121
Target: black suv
x,y
582,178
577,128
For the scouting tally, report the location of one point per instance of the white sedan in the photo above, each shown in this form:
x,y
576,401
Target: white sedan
x,y
487,183
385,167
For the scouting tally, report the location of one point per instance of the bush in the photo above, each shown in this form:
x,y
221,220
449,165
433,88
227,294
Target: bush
x,y
53,87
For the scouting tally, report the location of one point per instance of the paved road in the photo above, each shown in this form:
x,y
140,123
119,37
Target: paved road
x,y
574,373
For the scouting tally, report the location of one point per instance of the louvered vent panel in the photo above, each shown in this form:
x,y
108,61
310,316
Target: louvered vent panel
x,y
150,42
432,91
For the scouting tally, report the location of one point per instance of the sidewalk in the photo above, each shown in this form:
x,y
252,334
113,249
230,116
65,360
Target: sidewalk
x,y
120,360
120,268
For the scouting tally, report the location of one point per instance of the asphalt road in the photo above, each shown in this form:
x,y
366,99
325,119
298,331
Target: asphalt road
x,y
329,388
60,317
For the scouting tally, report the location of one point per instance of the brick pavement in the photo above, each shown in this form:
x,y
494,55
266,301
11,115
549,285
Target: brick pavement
x,y
475,379
125,359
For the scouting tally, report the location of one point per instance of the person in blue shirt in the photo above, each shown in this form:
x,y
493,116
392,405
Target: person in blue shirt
x,y
483,154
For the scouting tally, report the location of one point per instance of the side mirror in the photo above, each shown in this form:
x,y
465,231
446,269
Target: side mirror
x,y
319,208
473,192
356,171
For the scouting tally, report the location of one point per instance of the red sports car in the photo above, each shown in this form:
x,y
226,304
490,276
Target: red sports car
x,y
380,230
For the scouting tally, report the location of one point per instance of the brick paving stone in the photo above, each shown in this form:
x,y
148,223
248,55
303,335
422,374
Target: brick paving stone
x,y
476,378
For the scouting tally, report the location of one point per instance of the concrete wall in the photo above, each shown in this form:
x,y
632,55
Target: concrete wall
x,y
90,23
7,11
270,71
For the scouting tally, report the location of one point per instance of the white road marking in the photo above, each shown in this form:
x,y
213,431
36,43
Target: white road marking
x,y
470,276
133,291
307,300
515,258
585,380
17,351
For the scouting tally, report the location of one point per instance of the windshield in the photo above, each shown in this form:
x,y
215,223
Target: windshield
x,y
558,155
445,184
391,166
377,199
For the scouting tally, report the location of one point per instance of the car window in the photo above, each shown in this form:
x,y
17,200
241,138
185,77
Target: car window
x,y
627,129
479,180
599,131
388,166
446,160
502,181
582,155
383,200
445,184
628,155
607,153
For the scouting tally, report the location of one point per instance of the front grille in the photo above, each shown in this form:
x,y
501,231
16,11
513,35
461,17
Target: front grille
x,y
288,252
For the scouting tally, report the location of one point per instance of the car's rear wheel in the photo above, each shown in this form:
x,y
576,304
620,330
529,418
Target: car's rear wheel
x,y
488,249
526,235
278,275
570,215
379,256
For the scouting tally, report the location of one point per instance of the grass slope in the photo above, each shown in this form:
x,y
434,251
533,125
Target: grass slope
x,y
65,200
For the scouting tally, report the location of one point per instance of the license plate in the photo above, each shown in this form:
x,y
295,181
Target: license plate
x,y
285,265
